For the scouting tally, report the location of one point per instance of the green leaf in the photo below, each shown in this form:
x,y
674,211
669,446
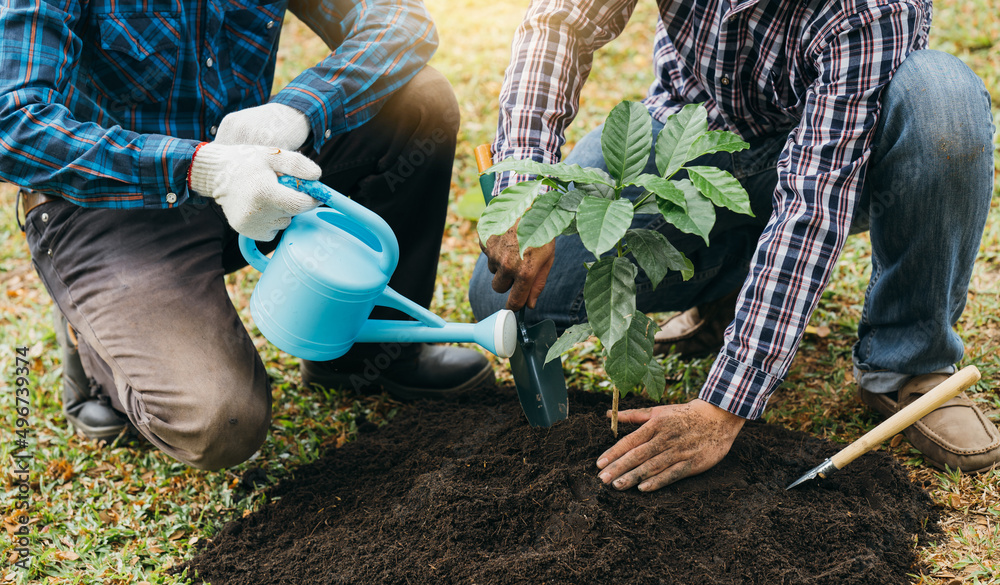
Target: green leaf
x,y
597,190
542,222
507,208
722,188
716,141
655,380
569,338
700,216
628,360
656,255
571,199
609,295
571,228
602,222
662,188
678,136
648,206
561,171
626,140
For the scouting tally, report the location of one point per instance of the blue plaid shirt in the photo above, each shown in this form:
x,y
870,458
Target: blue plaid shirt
x,y
811,70
103,102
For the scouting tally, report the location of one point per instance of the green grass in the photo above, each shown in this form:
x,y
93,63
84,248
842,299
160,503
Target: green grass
x,y
125,513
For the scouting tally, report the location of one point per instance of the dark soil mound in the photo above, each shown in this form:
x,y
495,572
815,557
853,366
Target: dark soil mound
x,y
469,493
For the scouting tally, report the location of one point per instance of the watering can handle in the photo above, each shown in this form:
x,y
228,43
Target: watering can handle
x,y
341,203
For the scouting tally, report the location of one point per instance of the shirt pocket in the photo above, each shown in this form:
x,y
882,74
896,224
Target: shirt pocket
x,y
251,35
136,61
782,95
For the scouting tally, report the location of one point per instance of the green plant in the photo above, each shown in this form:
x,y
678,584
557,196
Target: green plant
x,y
569,199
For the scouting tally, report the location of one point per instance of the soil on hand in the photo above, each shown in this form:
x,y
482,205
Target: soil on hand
x,y
468,493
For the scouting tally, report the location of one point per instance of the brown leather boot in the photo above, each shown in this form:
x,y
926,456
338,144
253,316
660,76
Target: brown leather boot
x,y
699,331
957,435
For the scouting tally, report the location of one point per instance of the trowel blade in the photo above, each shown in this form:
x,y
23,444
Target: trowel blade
x,y
541,387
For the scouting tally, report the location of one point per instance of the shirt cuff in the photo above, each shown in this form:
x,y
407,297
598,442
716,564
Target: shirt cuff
x,y
504,180
738,388
163,165
325,109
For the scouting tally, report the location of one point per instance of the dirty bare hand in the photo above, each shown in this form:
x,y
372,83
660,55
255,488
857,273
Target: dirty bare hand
x,y
524,277
675,441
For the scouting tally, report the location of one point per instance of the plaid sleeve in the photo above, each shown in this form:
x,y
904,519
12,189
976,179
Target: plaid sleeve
x,y
820,175
44,148
378,46
551,58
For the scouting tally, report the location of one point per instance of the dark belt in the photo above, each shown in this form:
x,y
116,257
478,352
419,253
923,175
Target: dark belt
x,y
30,200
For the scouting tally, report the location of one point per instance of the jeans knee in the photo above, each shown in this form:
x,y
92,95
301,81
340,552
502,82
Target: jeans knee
x,y
430,100
212,429
482,298
228,437
943,101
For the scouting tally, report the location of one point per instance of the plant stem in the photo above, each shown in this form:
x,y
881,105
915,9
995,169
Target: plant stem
x,y
614,411
641,200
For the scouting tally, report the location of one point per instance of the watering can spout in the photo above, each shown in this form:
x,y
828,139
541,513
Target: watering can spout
x,y
497,333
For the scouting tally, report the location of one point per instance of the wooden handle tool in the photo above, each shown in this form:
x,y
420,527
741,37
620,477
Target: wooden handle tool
x,y
484,160
941,393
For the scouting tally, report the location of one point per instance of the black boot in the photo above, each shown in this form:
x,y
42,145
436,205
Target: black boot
x,y
405,371
85,407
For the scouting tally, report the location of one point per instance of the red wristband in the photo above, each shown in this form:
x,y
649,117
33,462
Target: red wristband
x,y
196,149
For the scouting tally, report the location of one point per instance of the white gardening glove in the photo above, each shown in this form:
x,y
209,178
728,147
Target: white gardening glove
x,y
244,181
268,125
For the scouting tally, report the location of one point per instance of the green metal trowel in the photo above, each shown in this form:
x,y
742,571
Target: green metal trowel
x,y
541,387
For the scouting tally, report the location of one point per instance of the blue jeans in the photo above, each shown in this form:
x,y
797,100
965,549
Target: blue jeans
x,y
925,202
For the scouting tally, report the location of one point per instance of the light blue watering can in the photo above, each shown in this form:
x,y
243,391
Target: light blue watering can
x,y
330,269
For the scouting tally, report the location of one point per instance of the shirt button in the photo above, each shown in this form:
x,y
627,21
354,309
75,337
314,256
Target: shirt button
x,y
270,24
328,133
725,80
45,218
209,62
213,130
171,197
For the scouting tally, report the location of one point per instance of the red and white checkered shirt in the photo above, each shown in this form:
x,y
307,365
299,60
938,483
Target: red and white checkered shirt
x,y
813,70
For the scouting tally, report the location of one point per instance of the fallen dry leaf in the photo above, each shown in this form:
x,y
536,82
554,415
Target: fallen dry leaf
x,y
108,517
65,555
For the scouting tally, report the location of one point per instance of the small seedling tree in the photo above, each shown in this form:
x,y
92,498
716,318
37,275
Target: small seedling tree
x,y
569,199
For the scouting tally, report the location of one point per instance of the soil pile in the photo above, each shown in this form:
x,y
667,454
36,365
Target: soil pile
x,y
468,493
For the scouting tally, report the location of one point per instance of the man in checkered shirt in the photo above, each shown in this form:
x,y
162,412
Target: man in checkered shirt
x,y
853,125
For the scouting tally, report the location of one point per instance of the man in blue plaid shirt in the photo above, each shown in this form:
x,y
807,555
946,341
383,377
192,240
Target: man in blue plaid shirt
x,y
853,125
144,137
